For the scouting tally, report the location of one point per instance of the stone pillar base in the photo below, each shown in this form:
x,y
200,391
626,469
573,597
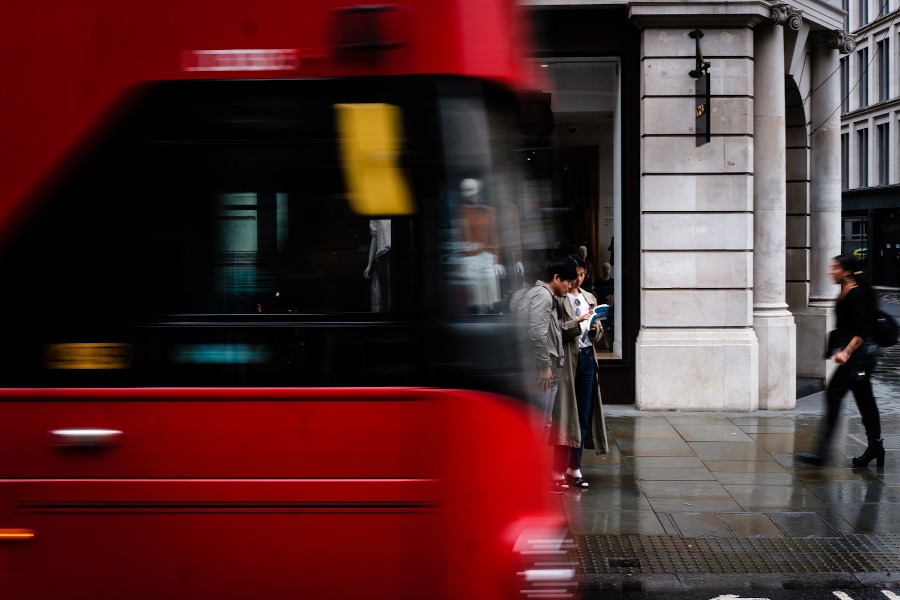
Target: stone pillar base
x,y
697,370
813,325
777,360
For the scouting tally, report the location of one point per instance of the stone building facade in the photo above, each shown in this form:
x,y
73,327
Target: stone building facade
x,y
722,246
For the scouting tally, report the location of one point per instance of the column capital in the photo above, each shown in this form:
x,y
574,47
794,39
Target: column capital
x,y
785,14
836,39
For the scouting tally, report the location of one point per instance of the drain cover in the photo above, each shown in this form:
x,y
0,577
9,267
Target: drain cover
x,y
636,554
623,562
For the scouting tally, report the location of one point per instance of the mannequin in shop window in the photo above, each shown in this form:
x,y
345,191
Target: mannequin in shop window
x,y
515,235
378,271
588,283
605,291
480,267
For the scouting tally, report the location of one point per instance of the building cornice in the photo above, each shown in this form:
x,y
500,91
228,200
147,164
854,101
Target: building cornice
x,y
872,110
821,13
880,22
666,13
705,13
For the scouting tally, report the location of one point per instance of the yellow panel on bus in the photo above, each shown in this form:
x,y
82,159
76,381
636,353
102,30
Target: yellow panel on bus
x,y
370,143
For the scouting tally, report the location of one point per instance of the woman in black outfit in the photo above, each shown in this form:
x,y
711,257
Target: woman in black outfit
x,y
855,354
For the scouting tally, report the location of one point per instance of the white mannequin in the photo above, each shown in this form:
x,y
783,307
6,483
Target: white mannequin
x,y
513,216
378,268
479,260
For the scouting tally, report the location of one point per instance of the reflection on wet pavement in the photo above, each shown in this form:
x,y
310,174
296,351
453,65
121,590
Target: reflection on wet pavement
x,y
734,475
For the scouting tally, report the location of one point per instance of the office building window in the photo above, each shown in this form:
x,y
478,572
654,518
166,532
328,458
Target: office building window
x,y
845,5
863,13
863,68
884,70
884,153
845,86
862,155
845,161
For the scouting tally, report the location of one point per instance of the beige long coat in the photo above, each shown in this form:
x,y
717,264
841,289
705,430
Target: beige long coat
x,y
566,430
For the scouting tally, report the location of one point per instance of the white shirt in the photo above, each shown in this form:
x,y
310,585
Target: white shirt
x,y
581,308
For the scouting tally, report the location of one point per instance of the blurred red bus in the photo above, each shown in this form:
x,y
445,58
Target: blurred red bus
x,y
201,394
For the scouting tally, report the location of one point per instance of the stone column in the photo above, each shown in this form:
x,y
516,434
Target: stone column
x,y
825,193
696,350
773,323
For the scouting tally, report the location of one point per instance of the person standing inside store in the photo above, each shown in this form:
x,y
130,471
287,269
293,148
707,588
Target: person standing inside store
x,y
588,281
855,354
605,290
578,384
541,306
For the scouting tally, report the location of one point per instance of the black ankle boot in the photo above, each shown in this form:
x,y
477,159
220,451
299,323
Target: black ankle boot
x,y
875,450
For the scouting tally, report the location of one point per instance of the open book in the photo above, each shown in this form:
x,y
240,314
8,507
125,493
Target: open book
x,y
600,312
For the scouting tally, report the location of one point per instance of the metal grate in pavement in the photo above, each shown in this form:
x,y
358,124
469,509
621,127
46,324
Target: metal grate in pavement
x,y
891,441
636,554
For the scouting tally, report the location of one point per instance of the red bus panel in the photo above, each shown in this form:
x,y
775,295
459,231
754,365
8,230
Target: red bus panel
x,y
269,493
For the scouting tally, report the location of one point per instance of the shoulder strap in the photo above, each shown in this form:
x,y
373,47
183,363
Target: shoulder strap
x,y
554,300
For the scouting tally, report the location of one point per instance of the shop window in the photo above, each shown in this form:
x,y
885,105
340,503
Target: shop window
x,y
587,165
854,236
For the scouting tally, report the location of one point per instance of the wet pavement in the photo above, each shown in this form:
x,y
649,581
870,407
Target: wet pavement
x,y
698,500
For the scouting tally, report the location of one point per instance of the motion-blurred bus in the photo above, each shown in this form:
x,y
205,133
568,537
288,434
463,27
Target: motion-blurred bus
x,y
256,259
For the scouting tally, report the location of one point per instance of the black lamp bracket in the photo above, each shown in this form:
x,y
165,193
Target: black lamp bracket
x,y
702,65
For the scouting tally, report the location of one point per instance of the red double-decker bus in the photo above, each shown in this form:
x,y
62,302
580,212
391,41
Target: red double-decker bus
x,y
255,259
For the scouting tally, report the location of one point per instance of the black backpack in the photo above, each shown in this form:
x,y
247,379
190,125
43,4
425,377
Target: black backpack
x,y
885,331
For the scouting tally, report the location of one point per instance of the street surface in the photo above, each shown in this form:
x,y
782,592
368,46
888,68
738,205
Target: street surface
x,y
886,382
714,506
850,594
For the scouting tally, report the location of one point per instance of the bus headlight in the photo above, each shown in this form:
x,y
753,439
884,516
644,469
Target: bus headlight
x,y
546,565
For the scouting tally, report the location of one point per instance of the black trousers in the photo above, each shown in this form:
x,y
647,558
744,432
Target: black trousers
x,y
855,377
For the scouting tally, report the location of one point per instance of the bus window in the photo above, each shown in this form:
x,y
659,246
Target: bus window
x,y
487,252
212,240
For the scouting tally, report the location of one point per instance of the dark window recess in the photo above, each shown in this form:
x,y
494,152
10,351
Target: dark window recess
x,y
210,242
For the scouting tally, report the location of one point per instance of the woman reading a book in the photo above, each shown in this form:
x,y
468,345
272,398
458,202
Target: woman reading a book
x,y
578,383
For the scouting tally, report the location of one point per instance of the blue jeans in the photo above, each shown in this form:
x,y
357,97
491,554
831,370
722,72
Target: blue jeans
x,y
584,392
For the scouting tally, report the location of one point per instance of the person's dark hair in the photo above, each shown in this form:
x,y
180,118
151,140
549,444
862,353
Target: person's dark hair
x,y
578,261
564,266
850,263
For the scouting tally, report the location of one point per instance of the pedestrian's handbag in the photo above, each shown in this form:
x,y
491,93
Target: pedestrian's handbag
x,y
833,344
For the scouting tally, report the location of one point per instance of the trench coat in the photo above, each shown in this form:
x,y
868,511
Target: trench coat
x,y
566,429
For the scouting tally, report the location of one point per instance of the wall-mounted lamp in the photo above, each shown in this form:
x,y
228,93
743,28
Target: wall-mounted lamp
x,y
701,93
